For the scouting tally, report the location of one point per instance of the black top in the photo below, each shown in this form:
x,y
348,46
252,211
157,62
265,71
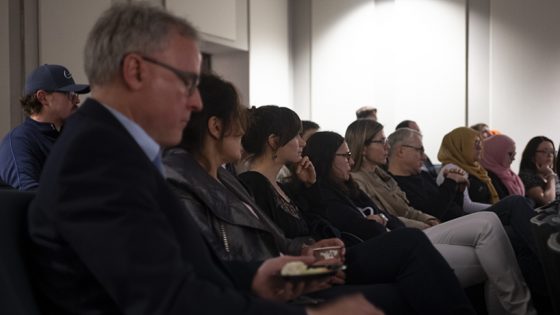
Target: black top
x,y
443,202
478,190
348,213
286,214
532,179
501,189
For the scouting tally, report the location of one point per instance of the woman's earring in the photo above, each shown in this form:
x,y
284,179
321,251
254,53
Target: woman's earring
x,y
274,155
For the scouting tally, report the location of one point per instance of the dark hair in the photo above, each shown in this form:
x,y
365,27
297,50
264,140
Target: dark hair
x,y
308,124
269,120
404,124
527,158
479,127
221,100
358,135
321,149
365,112
30,104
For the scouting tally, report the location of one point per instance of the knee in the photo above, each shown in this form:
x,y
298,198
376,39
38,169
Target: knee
x,y
488,218
516,201
489,224
520,206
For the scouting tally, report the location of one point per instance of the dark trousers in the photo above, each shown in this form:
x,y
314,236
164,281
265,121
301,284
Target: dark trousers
x,y
411,275
515,213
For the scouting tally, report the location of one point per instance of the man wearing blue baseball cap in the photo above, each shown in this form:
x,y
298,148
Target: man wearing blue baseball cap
x,y
50,96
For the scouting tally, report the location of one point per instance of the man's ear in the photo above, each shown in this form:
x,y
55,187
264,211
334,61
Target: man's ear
x,y
133,71
399,152
42,97
215,127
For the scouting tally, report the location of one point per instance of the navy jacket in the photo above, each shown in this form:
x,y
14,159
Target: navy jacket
x,y
23,152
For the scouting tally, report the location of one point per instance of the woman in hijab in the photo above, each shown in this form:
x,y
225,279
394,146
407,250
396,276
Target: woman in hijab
x,y
497,155
462,148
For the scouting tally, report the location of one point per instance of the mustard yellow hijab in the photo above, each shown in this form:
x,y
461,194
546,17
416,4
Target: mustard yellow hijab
x,y
457,147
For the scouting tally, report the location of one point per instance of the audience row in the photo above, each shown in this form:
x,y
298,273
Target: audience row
x,y
136,213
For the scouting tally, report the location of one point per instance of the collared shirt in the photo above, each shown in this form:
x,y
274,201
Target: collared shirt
x,y
147,143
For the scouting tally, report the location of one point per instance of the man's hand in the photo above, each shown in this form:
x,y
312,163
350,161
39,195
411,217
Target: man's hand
x,y
352,304
269,284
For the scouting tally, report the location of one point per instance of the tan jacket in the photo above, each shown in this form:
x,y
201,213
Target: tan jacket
x,y
384,190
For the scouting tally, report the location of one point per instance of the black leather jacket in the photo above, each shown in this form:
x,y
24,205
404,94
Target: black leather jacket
x,y
220,209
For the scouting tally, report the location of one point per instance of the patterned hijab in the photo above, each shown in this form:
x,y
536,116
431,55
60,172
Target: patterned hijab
x,y
495,158
457,147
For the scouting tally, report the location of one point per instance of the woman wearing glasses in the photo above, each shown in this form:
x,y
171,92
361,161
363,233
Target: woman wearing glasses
x,y
369,148
538,172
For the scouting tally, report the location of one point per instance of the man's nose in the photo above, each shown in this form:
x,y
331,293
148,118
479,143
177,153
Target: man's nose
x,y
194,102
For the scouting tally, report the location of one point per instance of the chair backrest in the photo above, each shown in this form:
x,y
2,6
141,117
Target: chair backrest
x,y
16,295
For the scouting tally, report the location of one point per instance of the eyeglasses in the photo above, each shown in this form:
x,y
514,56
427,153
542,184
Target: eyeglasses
x,y
512,155
381,141
546,152
190,79
347,155
417,149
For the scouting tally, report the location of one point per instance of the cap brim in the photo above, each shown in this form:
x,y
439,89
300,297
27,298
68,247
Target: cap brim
x,y
76,88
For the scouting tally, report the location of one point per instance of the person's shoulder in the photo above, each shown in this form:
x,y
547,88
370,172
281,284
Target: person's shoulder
x,y
21,131
252,177
21,137
360,176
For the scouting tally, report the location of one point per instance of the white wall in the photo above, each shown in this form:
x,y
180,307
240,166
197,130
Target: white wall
x,y
234,67
222,22
478,62
342,61
405,57
269,53
525,69
63,33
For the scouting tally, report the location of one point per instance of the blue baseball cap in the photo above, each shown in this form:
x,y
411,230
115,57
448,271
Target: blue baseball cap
x,y
53,78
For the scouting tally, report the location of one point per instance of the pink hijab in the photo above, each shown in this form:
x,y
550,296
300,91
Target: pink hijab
x,y
495,158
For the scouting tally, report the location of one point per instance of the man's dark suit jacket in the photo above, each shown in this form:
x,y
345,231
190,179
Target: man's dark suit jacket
x,y
108,235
